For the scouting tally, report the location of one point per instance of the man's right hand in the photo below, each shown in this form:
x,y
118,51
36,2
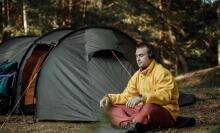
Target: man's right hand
x,y
134,101
105,102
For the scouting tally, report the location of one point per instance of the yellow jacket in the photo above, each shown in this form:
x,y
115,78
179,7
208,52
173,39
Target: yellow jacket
x,y
156,84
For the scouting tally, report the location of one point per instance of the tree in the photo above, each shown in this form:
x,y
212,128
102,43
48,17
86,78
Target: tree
x,y
5,19
1,19
25,17
218,13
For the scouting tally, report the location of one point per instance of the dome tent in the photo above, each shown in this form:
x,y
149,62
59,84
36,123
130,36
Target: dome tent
x,y
14,48
80,70
76,69
30,65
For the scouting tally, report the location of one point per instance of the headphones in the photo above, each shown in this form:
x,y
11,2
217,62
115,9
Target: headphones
x,y
151,54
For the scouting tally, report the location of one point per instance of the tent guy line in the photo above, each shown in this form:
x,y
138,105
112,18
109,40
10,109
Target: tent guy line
x,y
18,102
35,75
121,63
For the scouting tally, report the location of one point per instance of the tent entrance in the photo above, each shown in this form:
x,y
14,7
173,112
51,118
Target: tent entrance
x,y
108,54
31,68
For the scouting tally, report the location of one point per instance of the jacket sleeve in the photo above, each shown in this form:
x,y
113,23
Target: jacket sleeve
x,y
128,93
166,91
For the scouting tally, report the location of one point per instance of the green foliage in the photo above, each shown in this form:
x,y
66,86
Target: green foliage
x,y
216,128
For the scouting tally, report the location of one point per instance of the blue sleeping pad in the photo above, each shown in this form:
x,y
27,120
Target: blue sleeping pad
x,y
7,77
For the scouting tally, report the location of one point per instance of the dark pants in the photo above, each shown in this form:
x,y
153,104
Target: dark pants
x,y
147,114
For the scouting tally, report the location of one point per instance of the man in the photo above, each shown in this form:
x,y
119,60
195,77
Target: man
x,y
150,98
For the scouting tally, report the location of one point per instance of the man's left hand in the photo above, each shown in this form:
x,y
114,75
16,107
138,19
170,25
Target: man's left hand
x,y
134,101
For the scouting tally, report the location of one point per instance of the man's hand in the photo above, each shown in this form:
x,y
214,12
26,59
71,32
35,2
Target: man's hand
x,y
105,102
134,101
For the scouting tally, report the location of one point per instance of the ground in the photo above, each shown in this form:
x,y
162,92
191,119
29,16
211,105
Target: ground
x,y
206,111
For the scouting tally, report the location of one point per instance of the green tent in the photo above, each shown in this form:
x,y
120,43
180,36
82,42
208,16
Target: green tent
x,y
14,49
30,65
76,68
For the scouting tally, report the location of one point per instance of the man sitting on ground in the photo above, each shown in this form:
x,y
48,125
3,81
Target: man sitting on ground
x,y
150,98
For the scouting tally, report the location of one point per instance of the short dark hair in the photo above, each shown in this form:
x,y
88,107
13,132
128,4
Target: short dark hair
x,y
150,50
146,45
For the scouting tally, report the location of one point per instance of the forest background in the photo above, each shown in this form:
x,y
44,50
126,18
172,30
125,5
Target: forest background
x,y
184,32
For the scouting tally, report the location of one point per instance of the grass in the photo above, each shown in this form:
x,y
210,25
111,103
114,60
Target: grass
x,y
206,111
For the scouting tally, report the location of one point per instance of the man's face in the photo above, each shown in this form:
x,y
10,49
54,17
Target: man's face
x,y
142,58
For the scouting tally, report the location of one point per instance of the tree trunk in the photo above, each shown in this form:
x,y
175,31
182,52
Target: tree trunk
x,y
218,52
4,21
161,46
180,57
100,7
198,77
5,34
1,20
25,17
218,13
74,14
70,10
84,12
8,11
161,35
63,9
63,4
161,15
